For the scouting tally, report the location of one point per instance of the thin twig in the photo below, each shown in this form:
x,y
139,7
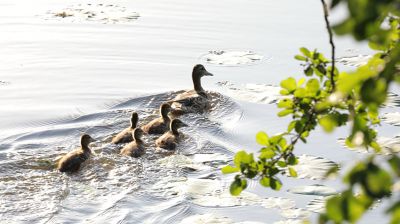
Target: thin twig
x,y
328,27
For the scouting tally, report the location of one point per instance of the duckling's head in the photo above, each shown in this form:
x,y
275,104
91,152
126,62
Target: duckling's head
x,y
137,134
175,124
199,71
165,108
134,119
86,140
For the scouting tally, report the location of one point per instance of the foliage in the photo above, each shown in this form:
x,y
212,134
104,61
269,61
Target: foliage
x,y
331,99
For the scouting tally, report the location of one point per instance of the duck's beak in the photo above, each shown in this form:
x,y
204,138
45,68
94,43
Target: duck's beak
x,y
92,139
206,73
184,125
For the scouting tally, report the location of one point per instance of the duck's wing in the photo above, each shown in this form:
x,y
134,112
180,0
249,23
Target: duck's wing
x,y
124,136
129,149
138,152
166,141
156,126
72,161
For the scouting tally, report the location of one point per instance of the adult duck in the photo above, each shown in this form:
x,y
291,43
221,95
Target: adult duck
x,y
170,139
73,160
161,124
136,148
195,100
125,135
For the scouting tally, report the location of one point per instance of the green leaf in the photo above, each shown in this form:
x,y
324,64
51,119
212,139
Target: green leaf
x,y
275,184
309,71
284,92
374,91
236,187
285,103
334,209
291,126
229,169
395,164
301,81
378,182
285,112
292,172
292,160
265,181
300,58
262,138
242,157
267,153
289,84
328,123
300,93
281,163
312,86
305,51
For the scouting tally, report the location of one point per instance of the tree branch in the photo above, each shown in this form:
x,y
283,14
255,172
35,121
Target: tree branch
x,y
328,27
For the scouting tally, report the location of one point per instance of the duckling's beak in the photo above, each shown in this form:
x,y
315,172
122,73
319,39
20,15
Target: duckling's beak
x,y
184,125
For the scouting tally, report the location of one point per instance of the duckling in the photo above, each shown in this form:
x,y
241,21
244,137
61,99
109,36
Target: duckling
x,y
135,148
73,160
169,139
193,100
125,136
159,125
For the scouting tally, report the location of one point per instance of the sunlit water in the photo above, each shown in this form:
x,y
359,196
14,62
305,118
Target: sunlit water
x,y
61,77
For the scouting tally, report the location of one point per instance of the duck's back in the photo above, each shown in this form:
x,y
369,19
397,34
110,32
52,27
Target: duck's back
x,y
190,101
167,141
72,161
156,126
124,136
133,149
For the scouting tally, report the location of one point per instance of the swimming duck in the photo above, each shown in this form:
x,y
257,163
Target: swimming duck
x,y
125,136
169,139
135,148
161,124
195,100
73,160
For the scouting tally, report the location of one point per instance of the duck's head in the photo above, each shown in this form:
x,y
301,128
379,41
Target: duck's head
x,y
137,134
86,140
199,71
165,108
134,119
175,124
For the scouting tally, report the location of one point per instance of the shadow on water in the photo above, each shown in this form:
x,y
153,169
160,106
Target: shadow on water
x,y
34,191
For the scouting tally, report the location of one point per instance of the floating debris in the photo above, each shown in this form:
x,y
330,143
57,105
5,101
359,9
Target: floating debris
x,y
392,118
317,205
295,213
291,221
231,58
354,61
279,203
3,83
206,218
313,167
392,100
254,93
93,13
319,190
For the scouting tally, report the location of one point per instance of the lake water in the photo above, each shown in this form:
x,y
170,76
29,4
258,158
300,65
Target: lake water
x,y
61,77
